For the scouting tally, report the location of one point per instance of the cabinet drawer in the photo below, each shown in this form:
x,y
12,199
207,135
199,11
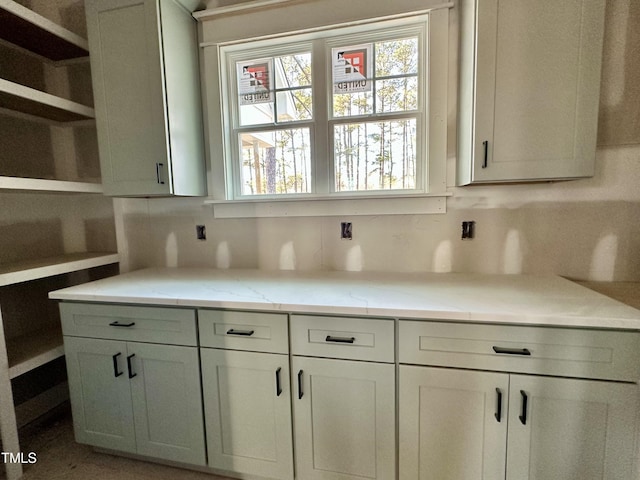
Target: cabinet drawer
x,y
172,326
343,337
254,331
598,354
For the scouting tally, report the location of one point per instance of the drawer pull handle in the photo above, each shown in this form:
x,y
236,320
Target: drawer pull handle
x,y
129,367
245,333
512,351
340,339
499,406
523,417
278,384
116,373
118,324
300,394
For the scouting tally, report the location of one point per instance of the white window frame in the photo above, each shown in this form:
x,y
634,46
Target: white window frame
x,y
224,185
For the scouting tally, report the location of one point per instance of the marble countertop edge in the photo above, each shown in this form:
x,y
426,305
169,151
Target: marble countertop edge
x,y
492,299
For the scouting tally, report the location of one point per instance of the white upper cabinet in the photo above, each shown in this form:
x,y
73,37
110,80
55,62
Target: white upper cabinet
x,y
144,61
529,89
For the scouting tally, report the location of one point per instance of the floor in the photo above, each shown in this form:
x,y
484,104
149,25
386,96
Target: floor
x,y
60,457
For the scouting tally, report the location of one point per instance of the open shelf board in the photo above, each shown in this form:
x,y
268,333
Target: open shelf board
x,y
14,96
47,186
35,33
28,270
33,350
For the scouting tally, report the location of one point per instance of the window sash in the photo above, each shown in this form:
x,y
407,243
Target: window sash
x,y
419,153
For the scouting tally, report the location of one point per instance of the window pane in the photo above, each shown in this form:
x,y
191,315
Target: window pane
x,y
293,71
294,105
346,105
258,102
254,81
276,162
259,114
397,57
375,155
397,95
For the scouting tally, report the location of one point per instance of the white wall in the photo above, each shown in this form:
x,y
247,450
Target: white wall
x,y
585,229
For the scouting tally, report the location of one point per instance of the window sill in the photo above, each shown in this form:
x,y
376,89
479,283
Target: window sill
x,y
323,207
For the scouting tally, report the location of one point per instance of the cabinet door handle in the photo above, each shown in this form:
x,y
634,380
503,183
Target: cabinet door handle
x,y
278,384
300,394
525,399
116,373
245,333
129,367
118,324
499,405
512,351
159,173
340,339
485,161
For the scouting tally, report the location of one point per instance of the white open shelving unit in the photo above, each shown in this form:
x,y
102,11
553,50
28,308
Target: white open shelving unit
x,y
34,349
32,337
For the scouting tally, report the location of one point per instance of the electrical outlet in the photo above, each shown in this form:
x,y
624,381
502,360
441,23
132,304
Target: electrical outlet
x,y
468,230
201,232
346,231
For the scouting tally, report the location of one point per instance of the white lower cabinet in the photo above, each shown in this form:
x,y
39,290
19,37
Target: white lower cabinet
x,y
247,404
344,417
137,398
129,395
314,397
344,411
569,413
473,425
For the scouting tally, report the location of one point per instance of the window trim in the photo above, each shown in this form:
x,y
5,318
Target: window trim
x,y
435,114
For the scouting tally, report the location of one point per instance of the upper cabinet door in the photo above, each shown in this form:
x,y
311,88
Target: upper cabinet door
x,y
529,89
147,100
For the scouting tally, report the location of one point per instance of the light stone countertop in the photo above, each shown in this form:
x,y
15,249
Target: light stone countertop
x,y
514,299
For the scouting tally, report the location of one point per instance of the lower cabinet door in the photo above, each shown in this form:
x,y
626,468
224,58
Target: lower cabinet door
x,y
167,402
100,393
569,429
247,403
452,423
344,416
